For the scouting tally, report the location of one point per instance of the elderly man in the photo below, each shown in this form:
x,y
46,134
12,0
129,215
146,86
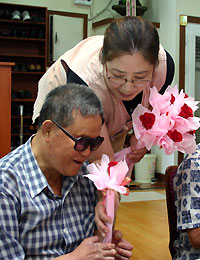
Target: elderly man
x,y
46,205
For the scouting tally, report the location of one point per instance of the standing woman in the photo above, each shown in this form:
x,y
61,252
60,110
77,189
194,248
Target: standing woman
x,y
120,67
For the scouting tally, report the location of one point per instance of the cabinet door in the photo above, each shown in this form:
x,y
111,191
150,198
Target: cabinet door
x,y
65,31
65,40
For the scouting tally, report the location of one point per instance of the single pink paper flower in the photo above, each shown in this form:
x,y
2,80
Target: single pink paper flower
x,y
187,144
112,180
162,102
148,137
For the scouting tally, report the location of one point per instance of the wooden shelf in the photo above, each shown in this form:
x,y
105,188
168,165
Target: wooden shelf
x,y
23,100
121,9
24,117
24,134
21,39
23,52
22,55
102,22
109,20
28,72
21,22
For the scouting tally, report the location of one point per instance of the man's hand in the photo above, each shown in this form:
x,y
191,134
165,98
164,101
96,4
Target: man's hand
x,y
122,246
92,249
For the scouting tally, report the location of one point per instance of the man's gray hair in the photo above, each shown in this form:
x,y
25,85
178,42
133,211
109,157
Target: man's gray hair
x,y
62,101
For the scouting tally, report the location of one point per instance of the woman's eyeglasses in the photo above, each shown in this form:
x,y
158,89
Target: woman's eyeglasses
x,y
82,143
119,81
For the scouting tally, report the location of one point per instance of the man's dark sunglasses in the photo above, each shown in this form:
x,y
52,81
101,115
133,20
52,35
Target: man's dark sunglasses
x,y
82,143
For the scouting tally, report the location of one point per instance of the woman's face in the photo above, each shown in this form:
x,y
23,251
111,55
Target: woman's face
x,y
127,75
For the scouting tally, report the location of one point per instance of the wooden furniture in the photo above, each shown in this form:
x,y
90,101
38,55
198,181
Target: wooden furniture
x,y
107,21
5,107
121,9
171,210
23,42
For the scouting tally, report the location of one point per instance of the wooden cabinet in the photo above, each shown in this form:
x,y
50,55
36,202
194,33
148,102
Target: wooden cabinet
x,y
23,42
5,107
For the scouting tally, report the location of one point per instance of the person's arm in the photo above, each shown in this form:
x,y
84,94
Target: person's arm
x,y
91,248
194,237
10,247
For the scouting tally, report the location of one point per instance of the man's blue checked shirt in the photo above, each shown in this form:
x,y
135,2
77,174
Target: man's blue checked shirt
x,y
187,201
34,223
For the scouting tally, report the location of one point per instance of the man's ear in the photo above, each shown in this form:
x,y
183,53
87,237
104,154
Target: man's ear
x,y
47,128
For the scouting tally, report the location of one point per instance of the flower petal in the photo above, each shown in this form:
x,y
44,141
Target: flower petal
x,y
118,172
98,181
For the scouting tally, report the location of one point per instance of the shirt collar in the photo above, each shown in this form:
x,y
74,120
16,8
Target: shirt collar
x,y
34,177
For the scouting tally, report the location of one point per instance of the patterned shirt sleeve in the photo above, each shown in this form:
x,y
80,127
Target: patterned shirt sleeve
x,y
187,193
9,229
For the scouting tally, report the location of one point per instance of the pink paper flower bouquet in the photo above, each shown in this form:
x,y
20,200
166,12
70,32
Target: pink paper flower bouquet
x,y
108,177
170,124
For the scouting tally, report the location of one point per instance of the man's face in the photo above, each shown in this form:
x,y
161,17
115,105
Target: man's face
x,y
62,156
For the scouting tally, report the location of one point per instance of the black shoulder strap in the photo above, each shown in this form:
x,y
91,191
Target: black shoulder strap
x,y
72,77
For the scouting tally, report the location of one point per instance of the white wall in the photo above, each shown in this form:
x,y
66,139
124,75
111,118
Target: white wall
x,y
189,8
164,12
